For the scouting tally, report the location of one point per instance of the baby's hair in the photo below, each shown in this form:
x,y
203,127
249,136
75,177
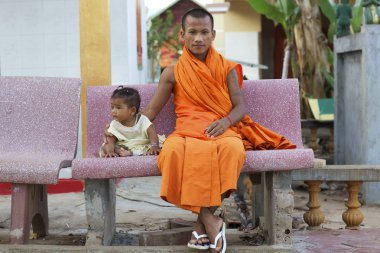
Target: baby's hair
x,y
130,96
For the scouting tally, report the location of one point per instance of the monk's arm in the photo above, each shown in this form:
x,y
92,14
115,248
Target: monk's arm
x,y
153,138
162,94
238,108
238,103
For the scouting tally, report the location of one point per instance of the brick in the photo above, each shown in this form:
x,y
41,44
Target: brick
x,y
176,236
180,223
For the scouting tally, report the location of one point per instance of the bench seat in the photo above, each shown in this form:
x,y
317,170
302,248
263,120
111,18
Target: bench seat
x,y
144,166
32,168
101,168
39,118
278,160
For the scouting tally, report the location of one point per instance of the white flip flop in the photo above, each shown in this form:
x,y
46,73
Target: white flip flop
x,y
221,234
203,246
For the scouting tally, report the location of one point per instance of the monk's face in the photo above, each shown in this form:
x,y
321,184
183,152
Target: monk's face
x,y
198,36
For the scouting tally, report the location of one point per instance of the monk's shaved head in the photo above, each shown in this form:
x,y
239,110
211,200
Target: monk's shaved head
x,y
197,13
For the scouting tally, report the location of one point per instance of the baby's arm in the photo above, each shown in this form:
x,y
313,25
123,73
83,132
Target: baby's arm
x,y
108,147
153,137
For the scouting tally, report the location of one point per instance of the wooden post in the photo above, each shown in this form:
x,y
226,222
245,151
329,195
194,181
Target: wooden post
x,y
95,51
353,217
314,217
313,139
330,143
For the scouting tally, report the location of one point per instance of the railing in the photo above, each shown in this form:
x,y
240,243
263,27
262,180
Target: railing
x,y
353,175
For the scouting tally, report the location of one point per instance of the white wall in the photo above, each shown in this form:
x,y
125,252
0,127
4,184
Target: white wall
x,y
39,38
42,38
124,43
243,46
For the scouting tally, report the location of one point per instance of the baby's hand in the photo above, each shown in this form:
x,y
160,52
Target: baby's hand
x,y
111,154
106,133
154,150
108,150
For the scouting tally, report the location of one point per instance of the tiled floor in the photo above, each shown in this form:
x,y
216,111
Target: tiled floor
x,y
337,241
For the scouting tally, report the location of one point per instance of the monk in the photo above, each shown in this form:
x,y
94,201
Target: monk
x,y
201,160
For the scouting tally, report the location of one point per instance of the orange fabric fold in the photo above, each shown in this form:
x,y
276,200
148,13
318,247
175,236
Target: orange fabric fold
x,y
196,172
201,97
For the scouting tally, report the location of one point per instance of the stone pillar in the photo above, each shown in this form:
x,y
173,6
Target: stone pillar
x,y
357,99
100,195
279,204
95,51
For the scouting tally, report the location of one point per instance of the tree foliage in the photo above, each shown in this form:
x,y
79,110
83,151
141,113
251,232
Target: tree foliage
x,y
161,34
285,13
306,44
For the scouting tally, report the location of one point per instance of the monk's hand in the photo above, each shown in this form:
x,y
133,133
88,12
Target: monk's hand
x,y
217,128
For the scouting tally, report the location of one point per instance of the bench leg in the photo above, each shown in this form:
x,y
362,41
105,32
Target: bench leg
x,y
279,205
258,197
29,206
100,197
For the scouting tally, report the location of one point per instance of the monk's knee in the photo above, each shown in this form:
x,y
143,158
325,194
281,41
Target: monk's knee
x,y
234,148
174,148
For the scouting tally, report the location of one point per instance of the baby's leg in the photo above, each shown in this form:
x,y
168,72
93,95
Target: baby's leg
x,y
122,151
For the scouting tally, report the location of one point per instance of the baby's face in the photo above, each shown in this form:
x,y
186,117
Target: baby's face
x,y
122,112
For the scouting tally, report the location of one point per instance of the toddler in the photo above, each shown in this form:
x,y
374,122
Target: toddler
x,y
130,133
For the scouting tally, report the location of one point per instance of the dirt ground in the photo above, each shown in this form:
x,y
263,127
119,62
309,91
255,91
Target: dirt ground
x,y
139,208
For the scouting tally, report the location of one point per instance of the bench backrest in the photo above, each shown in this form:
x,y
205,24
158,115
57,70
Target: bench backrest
x,y
272,103
39,115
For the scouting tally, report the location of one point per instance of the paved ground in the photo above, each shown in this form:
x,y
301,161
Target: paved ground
x,y
140,209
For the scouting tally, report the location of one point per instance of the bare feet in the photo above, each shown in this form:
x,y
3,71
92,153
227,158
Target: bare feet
x,y
213,225
199,228
123,152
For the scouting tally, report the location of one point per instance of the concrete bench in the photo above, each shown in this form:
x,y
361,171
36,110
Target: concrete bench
x,y
273,103
39,124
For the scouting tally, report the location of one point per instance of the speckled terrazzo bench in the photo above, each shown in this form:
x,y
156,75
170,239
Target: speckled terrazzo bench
x,y
39,125
273,103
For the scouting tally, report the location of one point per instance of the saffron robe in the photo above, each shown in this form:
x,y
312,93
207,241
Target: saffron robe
x,y
197,169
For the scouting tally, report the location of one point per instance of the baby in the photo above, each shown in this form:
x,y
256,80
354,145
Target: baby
x,y
130,133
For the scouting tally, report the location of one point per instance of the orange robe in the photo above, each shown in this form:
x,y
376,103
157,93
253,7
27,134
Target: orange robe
x,y
196,169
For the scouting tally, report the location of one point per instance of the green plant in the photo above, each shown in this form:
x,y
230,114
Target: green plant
x,y
161,33
285,13
306,44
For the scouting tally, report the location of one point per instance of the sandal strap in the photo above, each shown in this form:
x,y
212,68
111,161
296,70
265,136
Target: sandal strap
x,y
217,237
199,236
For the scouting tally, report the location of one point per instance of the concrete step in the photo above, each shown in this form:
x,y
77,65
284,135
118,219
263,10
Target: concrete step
x,y
6,248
